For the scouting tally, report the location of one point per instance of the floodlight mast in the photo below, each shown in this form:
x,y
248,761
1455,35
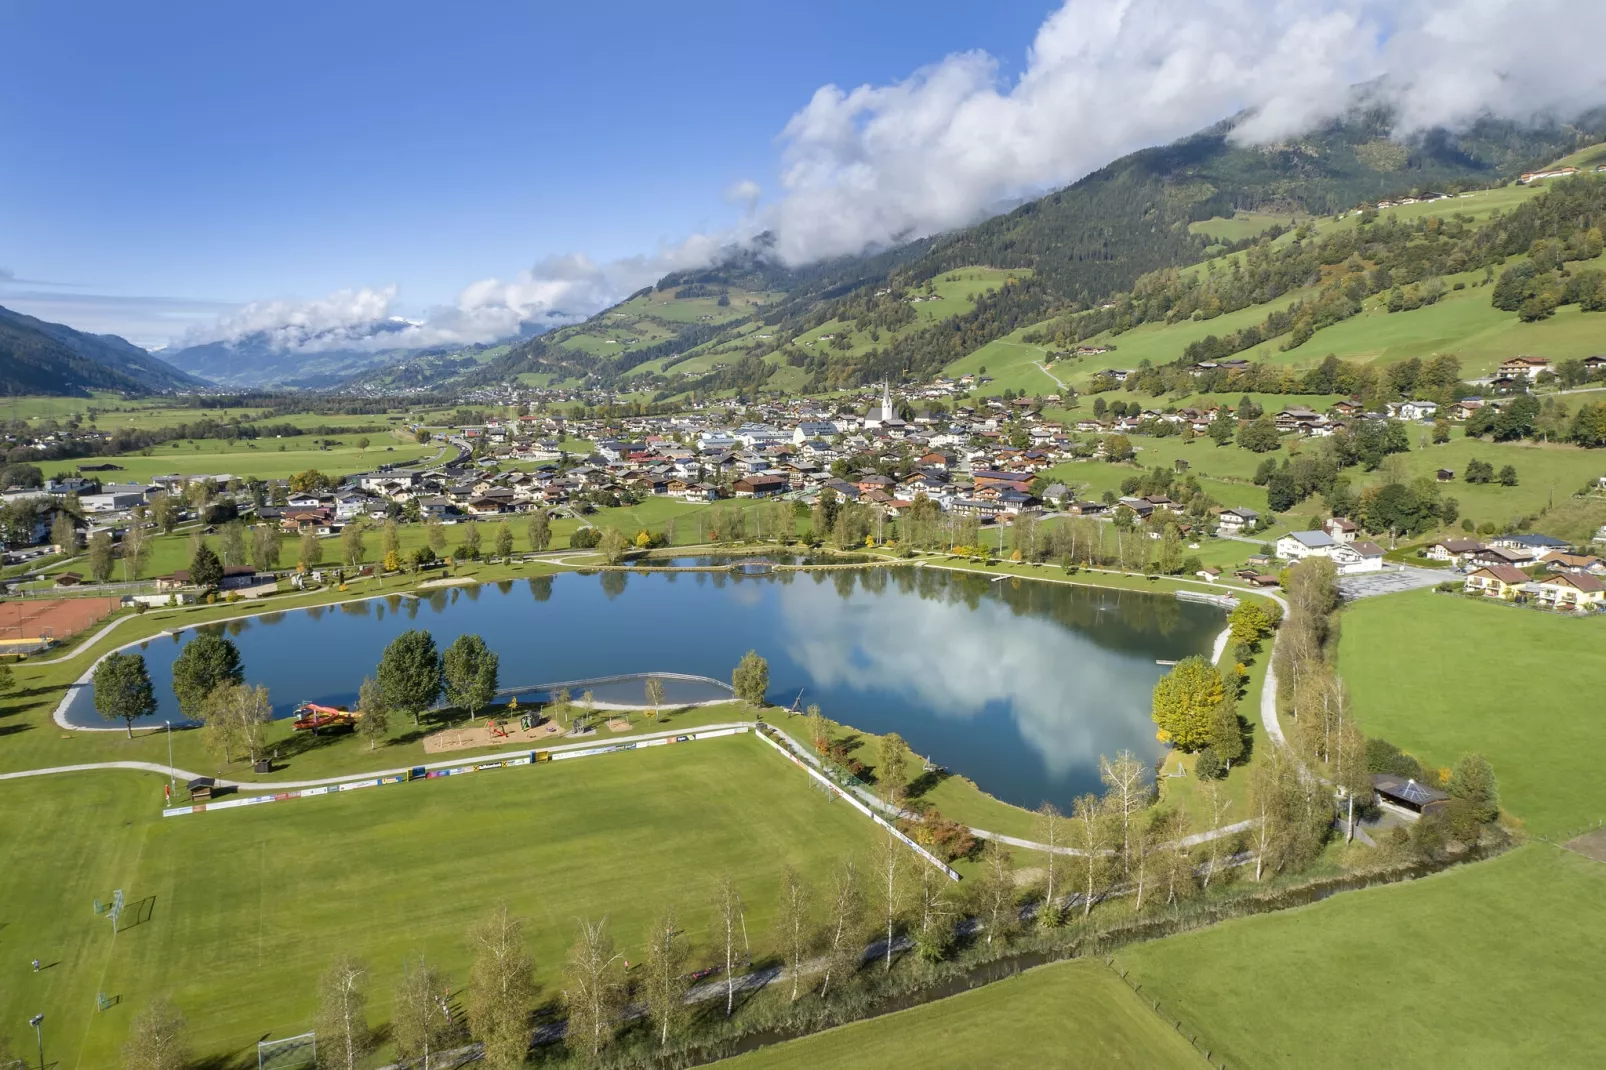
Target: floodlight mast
x,y
37,1021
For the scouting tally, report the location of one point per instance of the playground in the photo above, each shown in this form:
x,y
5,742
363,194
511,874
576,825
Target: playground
x,y
515,726
28,625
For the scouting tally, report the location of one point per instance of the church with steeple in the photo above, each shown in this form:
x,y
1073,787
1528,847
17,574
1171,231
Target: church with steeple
x,y
886,416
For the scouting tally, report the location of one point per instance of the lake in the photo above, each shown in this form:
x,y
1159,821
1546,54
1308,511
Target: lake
x,y
1018,685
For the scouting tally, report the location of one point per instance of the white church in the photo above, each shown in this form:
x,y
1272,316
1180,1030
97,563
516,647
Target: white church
x,y
887,417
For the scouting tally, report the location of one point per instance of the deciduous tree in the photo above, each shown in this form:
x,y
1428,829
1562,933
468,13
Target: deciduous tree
x,y
352,543
100,556
727,922
123,690
844,915
794,924
538,529
156,1039
888,864
206,662
592,989
1091,836
410,672
1049,828
751,678
655,694
995,892
374,724
310,553
1185,700
664,976
345,1039
471,673
1473,780
1127,794
501,988
892,768
265,547
420,1020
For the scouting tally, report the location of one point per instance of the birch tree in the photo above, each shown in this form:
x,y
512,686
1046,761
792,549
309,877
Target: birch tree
x,y
592,989
1128,794
1173,860
794,924
727,919
887,864
343,1015
420,1021
664,970
1090,834
842,926
1219,805
156,1039
934,911
995,891
1049,828
501,988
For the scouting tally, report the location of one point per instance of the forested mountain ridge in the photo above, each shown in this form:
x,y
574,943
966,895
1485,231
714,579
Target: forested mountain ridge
x,y
38,357
1073,248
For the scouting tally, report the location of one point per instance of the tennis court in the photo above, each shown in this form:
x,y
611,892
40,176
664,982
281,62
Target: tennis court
x,y
28,625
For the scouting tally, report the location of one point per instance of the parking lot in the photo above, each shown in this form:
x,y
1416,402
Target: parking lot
x,y
1392,580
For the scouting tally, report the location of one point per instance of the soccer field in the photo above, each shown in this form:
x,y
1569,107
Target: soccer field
x,y
234,914
1069,1014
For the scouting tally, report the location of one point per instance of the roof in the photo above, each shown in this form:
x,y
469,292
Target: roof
x,y
1407,789
1460,546
1312,539
1504,573
1366,548
1581,581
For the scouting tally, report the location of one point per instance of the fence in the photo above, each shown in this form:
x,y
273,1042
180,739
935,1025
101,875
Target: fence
x,y
1174,1023
831,786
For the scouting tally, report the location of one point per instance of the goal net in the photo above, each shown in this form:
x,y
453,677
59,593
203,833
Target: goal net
x,y
290,1053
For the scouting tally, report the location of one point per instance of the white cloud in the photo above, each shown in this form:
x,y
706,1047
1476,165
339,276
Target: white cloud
x,y
555,291
877,164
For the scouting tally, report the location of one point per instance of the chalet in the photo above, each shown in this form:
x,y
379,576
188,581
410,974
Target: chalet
x,y
1466,408
1359,556
1539,176
1572,591
1528,367
1299,419
1348,408
1498,555
1529,544
1210,574
1584,564
1297,545
1340,528
1495,581
1456,550
1236,521
1418,410
761,485
1088,509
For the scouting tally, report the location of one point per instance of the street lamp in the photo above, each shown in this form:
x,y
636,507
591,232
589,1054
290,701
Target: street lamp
x,y
39,1035
172,777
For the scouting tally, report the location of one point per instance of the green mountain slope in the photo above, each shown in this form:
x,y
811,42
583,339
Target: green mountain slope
x,y
37,357
1067,251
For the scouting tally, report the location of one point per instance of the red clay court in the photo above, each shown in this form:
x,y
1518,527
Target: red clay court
x,y
27,620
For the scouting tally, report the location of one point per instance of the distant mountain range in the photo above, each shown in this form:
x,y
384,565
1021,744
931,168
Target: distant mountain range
x,y
37,357
262,359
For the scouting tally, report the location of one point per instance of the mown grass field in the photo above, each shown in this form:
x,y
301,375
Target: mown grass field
x,y
244,908
1479,966
1068,1014
1442,676
263,458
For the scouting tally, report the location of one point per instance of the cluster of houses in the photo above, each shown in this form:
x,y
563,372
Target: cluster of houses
x,y
1524,567
1337,540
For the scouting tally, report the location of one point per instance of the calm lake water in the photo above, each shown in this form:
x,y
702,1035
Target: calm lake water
x,y
1019,686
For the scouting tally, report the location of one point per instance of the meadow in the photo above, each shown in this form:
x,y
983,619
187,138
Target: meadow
x,y
1438,676
223,903
269,458
1476,966
1067,1014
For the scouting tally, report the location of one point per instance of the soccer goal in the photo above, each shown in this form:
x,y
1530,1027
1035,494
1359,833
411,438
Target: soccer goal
x,y
290,1053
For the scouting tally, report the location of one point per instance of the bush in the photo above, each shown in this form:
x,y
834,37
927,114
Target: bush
x,y
585,538
1384,757
1209,765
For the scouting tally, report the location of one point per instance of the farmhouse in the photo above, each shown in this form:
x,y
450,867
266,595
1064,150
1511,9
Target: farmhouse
x,y
1236,521
1529,367
1455,550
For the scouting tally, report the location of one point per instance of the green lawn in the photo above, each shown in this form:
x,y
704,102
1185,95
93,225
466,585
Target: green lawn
x,y
1479,966
1073,1014
1441,676
1243,225
246,907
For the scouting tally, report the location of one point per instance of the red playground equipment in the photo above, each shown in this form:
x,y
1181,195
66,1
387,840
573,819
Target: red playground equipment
x,y
496,729
311,717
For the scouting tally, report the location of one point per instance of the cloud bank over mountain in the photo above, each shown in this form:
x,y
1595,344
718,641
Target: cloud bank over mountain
x,y
878,164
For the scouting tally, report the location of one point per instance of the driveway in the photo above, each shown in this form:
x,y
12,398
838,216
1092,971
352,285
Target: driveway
x,y
1391,580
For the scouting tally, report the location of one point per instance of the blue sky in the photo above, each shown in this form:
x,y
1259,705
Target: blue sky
x,y
209,170
230,152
